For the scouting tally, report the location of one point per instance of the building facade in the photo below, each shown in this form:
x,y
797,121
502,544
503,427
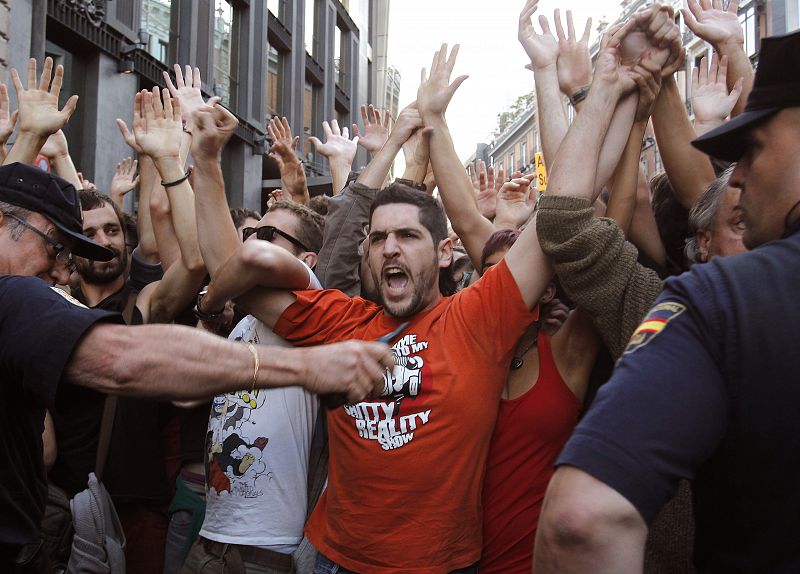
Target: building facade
x,y
308,60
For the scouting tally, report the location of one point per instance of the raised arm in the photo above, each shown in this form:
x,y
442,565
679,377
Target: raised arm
x,y
216,232
339,150
39,116
283,153
408,121
542,49
124,181
56,150
8,120
455,187
158,131
147,249
722,29
376,132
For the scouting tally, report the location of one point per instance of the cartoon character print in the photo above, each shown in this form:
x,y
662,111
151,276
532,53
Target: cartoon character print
x,y
383,421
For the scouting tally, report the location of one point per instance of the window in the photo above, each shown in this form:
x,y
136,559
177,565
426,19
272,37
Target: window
x,y
338,62
748,19
276,7
226,53
156,21
523,154
310,27
511,163
274,74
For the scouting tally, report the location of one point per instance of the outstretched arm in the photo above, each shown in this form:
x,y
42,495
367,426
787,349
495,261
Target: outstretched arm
x,y
161,362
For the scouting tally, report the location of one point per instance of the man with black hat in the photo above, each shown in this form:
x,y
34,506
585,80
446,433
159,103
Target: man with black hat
x,y
46,337
707,387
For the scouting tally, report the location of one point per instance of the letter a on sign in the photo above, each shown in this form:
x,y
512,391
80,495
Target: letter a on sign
x,y
541,173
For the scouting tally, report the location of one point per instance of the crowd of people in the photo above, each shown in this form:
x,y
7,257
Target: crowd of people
x,y
444,373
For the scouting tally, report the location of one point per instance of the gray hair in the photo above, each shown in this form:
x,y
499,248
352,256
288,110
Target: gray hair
x,y
704,212
15,227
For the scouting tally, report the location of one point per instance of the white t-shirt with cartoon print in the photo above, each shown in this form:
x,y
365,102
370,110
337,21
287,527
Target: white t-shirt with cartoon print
x,y
257,449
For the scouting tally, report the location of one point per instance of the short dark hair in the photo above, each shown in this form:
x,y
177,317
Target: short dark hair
x,y
92,199
500,239
319,203
309,229
239,214
431,216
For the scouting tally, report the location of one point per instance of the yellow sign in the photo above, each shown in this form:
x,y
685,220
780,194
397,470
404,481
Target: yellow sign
x,y
541,172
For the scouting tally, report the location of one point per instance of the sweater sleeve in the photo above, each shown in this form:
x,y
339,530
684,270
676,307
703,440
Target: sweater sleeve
x,y
597,267
338,261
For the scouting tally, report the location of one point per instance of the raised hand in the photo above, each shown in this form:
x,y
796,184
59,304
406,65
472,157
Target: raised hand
x,y
574,64
38,105
375,132
710,22
8,119
542,49
611,69
338,146
408,121
157,124
125,179
213,127
417,151
483,183
188,89
55,146
282,141
711,102
663,35
435,90
514,207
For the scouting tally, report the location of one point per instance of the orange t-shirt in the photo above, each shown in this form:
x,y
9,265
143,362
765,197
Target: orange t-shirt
x,y
406,472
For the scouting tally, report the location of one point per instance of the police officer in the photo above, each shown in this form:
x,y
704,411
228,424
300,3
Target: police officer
x,y
708,387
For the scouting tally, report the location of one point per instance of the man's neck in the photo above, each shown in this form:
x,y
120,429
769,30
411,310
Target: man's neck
x,y
95,293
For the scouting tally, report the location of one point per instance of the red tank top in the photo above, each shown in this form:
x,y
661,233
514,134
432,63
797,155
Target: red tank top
x,y
530,432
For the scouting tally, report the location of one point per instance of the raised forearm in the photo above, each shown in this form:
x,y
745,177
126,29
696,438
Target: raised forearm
x,y
689,170
739,66
456,191
25,149
622,202
182,214
574,171
65,169
215,230
550,112
615,140
340,170
148,177
376,171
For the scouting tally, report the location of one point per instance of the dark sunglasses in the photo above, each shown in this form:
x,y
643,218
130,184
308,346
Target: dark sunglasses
x,y
268,232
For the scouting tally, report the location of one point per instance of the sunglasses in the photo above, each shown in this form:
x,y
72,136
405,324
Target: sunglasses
x,y
268,233
63,255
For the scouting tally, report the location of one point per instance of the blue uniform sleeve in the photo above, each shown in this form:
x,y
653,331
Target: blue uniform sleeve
x,y
664,410
39,328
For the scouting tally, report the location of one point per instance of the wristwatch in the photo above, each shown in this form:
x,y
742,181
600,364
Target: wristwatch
x,y
205,315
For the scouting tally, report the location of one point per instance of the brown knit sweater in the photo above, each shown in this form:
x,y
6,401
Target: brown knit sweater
x,y
598,269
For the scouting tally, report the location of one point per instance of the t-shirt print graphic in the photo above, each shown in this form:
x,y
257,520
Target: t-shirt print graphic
x,y
389,422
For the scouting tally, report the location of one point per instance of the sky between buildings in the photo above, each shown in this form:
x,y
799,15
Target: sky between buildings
x,y
490,54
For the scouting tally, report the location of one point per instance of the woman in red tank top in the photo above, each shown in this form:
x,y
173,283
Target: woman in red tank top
x,y
538,410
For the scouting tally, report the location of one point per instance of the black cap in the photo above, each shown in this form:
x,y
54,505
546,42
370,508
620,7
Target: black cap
x,y
29,187
776,86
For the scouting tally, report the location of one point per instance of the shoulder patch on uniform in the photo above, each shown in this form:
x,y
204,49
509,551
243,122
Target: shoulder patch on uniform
x,y
68,297
655,322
